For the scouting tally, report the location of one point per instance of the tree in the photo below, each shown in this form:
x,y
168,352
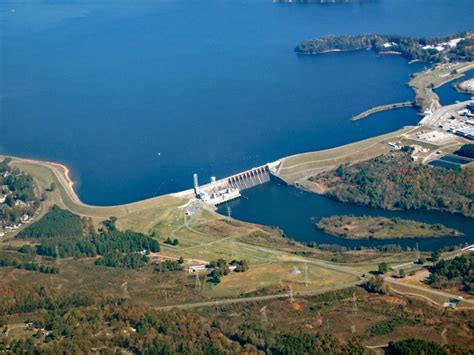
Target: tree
x,y
414,346
435,256
9,200
215,278
374,285
383,268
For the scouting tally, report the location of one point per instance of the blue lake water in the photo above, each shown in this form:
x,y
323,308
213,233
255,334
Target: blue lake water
x,y
136,95
448,93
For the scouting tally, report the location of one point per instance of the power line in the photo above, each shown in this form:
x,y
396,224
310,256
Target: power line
x,y
197,283
306,275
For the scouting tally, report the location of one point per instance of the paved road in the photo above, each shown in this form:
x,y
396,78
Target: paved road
x,y
426,290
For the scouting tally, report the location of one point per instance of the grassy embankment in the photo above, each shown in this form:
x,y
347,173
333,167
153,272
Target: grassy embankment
x,y
297,168
351,227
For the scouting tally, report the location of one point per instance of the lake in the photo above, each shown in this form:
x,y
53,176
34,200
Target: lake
x,y
135,96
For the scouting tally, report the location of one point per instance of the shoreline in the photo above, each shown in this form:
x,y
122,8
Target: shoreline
x,y
62,173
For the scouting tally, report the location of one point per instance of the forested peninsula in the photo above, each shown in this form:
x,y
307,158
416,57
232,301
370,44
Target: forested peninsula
x,y
395,181
457,47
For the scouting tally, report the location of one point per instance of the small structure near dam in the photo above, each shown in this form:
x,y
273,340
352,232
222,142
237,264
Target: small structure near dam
x,y
229,188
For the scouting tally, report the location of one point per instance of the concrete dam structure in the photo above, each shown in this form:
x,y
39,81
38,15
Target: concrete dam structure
x,y
250,178
229,188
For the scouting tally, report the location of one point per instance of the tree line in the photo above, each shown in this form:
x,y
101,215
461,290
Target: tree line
x,y
410,47
458,272
394,181
63,234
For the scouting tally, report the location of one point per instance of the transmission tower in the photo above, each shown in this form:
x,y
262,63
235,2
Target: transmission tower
x,y
417,252
197,283
354,302
292,299
56,250
124,288
444,340
306,275
263,312
229,211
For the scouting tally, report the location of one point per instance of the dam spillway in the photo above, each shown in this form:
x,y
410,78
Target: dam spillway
x,y
229,188
250,178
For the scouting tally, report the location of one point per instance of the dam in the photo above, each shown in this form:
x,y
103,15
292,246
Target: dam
x,y
229,188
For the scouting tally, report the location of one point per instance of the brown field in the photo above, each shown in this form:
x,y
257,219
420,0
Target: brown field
x,y
334,312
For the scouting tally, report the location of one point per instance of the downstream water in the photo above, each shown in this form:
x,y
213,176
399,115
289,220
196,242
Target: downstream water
x,y
296,211
136,95
448,93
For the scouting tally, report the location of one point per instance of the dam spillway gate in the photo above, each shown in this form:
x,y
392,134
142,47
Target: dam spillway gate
x,y
250,178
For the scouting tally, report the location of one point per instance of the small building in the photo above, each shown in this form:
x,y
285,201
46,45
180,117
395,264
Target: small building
x,y
197,268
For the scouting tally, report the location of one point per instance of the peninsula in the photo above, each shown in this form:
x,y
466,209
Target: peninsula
x,y
466,86
457,47
351,227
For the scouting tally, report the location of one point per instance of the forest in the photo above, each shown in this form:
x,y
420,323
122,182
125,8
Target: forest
x,y
63,234
56,223
77,323
412,48
458,272
394,181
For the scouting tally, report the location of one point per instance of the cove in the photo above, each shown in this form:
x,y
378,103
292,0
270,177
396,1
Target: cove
x,y
296,211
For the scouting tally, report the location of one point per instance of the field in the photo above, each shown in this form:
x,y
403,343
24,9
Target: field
x,y
281,274
349,313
